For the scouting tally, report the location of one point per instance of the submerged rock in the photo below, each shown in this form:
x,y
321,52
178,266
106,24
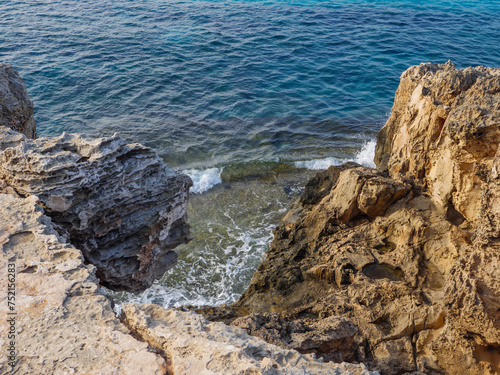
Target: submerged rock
x,y
116,202
409,254
16,108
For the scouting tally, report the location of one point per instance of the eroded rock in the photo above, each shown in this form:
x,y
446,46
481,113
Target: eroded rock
x,y
331,338
16,107
117,202
409,253
443,133
63,324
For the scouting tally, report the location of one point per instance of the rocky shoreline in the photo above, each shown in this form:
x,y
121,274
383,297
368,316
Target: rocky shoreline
x,y
396,267
125,211
408,253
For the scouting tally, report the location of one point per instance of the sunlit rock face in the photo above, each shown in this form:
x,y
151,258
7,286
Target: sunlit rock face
x,y
408,253
443,133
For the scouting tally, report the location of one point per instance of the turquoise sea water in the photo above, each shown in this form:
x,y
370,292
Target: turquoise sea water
x,y
234,91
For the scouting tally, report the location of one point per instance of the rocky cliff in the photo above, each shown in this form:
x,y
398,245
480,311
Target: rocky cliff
x,y
397,267
116,202
64,324
16,108
406,255
125,211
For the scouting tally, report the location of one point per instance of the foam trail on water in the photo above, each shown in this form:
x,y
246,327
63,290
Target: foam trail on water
x,y
364,157
204,180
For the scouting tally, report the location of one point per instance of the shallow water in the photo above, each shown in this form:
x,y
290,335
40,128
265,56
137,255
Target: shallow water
x,y
239,94
232,227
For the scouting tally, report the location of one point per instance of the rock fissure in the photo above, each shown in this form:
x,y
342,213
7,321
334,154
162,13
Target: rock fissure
x,y
155,346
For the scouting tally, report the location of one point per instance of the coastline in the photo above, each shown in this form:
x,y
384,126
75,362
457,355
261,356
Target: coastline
x,y
396,267
408,252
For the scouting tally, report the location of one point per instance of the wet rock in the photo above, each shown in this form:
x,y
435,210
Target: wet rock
x,y
16,107
117,202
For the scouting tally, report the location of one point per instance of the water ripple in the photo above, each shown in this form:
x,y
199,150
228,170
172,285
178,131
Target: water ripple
x,y
201,76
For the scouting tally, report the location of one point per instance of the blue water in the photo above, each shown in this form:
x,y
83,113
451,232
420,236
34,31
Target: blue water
x,y
209,83
225,89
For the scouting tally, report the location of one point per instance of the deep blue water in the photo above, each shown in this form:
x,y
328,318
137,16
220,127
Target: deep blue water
x,y
234,87
210,83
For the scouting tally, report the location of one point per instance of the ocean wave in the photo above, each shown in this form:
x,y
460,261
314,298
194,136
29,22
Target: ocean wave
x,y
204,180
318,164
364,157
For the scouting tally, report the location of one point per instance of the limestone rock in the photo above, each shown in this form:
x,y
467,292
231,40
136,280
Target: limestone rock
x,y
330,338
117,202
16,107
63,325
409,253
195,346
444,132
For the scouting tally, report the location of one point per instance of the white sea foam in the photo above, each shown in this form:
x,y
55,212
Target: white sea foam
x,y
366,154
364,157
204,179
318,163
227,247
233,264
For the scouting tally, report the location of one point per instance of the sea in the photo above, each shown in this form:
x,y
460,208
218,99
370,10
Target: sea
x,y
248,97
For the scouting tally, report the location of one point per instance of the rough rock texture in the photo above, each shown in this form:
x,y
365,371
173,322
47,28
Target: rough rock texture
x,y
408,254
331,337
120,204
63,325
192,345
443,133
16,108
116,202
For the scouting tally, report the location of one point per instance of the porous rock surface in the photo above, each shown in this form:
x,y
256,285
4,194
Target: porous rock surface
x,y
63,325
116,202
409,253
16,107
443,133
192,345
